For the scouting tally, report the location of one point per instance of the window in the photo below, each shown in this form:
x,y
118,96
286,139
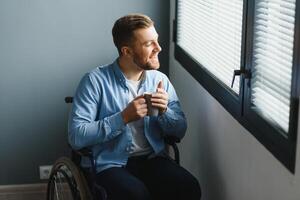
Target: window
x,y
216,40
245,53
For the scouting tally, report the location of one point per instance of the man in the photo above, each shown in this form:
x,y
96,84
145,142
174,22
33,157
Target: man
x,y
109,115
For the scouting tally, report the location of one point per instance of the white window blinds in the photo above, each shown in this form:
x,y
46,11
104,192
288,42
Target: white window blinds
x,y
272,60
210,31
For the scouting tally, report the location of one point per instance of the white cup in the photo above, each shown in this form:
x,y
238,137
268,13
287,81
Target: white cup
x,y
152,111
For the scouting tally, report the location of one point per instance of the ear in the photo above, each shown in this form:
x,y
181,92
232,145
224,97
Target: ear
x,y
126,51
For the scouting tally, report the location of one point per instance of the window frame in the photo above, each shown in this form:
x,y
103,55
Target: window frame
x,y
281,146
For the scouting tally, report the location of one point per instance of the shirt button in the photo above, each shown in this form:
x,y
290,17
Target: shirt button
x,y
128,149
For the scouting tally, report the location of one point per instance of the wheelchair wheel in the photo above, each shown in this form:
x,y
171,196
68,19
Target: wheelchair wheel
x,y
67,182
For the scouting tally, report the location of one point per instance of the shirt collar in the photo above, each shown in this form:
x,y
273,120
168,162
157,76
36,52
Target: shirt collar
x,y
118,73
121,77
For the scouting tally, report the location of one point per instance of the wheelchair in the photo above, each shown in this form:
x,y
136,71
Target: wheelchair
x,y
69,181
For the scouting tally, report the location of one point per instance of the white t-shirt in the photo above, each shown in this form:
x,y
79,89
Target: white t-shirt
x,y
140,144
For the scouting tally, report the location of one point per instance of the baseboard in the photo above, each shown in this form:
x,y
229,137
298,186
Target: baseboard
x,y
23,192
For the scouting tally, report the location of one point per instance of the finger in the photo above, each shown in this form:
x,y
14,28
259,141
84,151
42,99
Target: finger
x,y
142,106
160,90
139,97
142,112
159,106
160,85
159,96
141,100
159,100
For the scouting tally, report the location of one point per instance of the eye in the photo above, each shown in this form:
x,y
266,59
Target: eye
x,y
148,44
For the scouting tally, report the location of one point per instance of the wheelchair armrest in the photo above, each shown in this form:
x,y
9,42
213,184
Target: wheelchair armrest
x,y
84,152
172,140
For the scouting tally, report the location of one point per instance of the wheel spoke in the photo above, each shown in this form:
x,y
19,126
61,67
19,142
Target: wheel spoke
x,y
66,182
55,185
61,185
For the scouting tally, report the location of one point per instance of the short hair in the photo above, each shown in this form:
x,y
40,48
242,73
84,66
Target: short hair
x,y
124,27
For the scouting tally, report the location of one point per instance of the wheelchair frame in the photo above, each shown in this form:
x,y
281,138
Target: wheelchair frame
x,y
69,180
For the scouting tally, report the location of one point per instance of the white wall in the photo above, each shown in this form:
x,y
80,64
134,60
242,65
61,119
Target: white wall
x,y
227,160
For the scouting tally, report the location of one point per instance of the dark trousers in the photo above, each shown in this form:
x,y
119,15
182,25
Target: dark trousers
x,y
158,178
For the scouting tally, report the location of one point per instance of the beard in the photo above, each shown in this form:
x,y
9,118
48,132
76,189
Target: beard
x,y
149,65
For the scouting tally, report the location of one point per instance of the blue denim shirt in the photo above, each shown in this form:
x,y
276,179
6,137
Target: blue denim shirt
x,y
95,119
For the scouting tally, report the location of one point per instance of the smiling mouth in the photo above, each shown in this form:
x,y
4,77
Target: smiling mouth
x,y
154,60
155,57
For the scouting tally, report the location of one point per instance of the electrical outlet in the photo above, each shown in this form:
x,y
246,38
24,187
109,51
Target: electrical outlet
x,y
45,171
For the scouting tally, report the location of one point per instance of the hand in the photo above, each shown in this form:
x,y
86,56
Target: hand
x,y
160,98
135,110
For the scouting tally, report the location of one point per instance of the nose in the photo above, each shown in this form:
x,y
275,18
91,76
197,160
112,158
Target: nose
x,y
157,47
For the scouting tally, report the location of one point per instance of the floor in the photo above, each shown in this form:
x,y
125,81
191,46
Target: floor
x,y
23,192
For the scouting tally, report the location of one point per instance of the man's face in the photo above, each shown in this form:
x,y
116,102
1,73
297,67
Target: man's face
x,y
145,48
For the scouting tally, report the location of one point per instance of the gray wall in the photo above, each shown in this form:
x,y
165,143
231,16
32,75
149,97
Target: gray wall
x,y
228,161
45,48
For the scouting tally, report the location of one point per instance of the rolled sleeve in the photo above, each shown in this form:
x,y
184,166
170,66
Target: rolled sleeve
x,y
173,121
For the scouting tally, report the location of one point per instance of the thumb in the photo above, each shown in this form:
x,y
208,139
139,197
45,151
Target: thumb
x,y
140,96
160,85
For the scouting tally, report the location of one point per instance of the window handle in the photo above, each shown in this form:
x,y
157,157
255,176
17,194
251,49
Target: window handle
x,y
245,73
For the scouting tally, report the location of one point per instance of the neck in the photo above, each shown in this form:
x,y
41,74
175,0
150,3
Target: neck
x,y
130,69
